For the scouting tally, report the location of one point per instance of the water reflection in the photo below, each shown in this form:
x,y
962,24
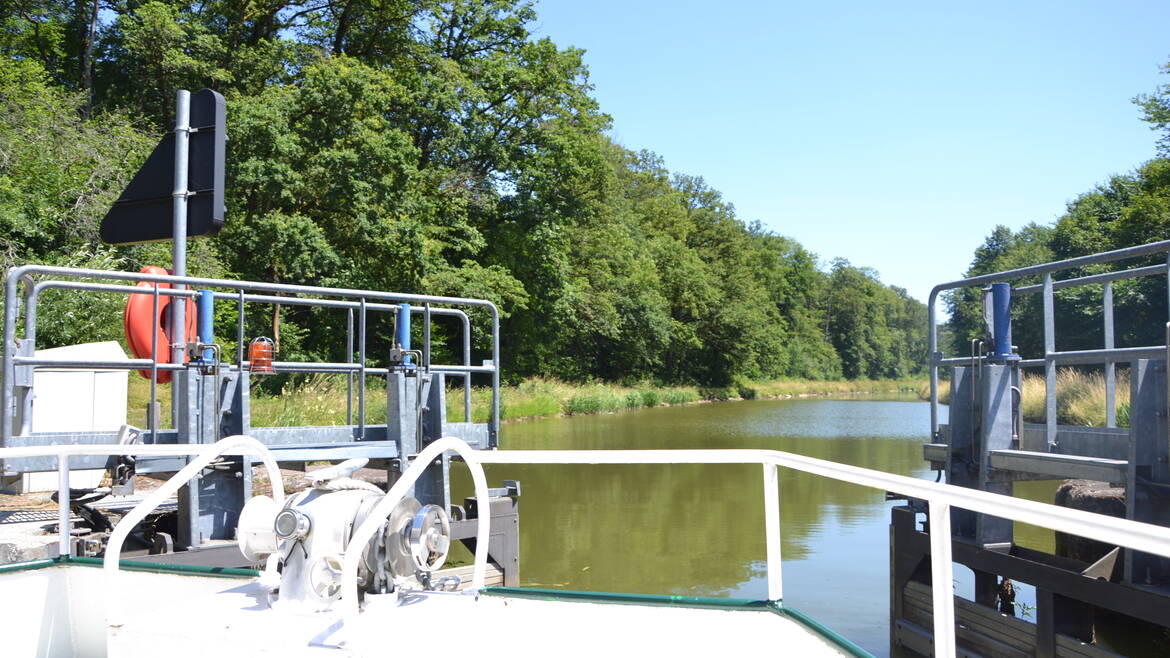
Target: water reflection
x,y
694,529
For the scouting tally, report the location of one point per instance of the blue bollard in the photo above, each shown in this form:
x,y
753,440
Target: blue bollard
x,y
1001,323
207,322
403,337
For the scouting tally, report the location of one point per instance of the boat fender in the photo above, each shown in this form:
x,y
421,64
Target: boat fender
x,y
140,326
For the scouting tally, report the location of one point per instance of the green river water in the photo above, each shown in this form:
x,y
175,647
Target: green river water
x,y
698,529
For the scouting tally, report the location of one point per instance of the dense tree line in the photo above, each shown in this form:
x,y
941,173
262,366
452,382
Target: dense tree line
x,y
420,146
1127,210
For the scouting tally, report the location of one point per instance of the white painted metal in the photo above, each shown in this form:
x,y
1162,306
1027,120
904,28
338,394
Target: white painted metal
x,y
1140,536
63,512
230,445
941,498
942,580
62,452
365,532
772,532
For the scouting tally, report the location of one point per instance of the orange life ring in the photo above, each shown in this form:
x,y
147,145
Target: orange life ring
x,y
140,326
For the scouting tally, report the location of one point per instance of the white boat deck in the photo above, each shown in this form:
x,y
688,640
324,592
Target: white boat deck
x,y
184,615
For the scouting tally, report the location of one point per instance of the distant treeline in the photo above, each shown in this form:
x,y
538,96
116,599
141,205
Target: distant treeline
x,y
419,146
1128,210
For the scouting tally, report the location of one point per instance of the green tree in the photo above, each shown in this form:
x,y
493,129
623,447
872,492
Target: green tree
x,y
1156,111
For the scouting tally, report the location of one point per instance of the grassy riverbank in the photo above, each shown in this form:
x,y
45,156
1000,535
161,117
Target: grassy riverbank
x,y
1080,397
322,400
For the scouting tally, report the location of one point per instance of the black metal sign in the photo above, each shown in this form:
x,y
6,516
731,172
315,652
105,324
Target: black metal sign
x,y
144,212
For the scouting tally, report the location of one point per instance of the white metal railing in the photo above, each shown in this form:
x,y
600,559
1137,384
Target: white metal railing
x,y
940,498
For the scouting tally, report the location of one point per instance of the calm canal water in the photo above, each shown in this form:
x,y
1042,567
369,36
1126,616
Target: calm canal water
x,y
698,530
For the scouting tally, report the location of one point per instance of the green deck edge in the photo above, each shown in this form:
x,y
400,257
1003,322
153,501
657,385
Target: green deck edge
x,y
545,594
28,566
829,634
667,600
132,565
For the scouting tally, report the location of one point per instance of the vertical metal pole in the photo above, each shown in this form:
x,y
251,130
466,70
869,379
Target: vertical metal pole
x,y
494,427
932,333
63,515
941,578
362,369
1110,368
179,233
349,374
240,331
772,532
8,399
154,407
1049,363
427,335
466,362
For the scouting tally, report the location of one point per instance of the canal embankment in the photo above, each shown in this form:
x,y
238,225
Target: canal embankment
x,y
322,400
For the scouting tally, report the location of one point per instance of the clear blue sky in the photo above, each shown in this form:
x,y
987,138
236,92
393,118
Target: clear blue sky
x,y
893,134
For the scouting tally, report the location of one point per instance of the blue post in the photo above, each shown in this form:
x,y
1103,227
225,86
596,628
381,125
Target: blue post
x,y
207,322
1001,322
403,337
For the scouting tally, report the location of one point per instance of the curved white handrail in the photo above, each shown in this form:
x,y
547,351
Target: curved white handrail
x,y
365,532
204,454
239,443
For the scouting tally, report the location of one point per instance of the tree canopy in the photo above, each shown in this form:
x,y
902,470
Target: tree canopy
x,y
1127,210
422,146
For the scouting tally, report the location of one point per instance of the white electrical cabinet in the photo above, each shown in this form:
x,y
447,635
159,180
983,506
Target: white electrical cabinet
x,y
74,400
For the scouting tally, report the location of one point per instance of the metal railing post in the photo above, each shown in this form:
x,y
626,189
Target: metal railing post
x,y
64,529
934,358
240,329
7,413
466,362
1049,363
362,369
942,579
154,406
494,426
772,532
1110,366
349,375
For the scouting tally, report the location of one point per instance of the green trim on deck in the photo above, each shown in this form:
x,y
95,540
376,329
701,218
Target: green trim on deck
x,y
666,600
545,594
829,634
154,567
28,566
131,565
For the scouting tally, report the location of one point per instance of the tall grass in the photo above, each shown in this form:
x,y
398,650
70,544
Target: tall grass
x,y
1080,397
321,399
798,387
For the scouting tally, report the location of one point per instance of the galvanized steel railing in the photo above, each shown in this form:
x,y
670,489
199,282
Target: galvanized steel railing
x,y
1108,356
359,301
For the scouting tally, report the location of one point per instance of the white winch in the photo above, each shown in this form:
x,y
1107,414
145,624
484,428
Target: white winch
x,y
311,533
